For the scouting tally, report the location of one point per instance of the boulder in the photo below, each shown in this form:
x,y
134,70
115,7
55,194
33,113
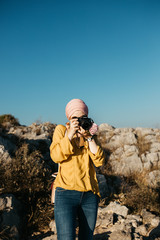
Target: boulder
x,y
105,127
122,139
120,235
153,158
155,147
152,179
142,230
150,218
130,150
115,207
52,226
12,216
144,131
7,147
126,165
4,155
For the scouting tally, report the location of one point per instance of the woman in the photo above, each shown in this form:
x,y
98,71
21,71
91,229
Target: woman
x,y
77,193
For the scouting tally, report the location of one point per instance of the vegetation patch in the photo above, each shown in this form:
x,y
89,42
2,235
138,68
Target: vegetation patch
x,y
8,118
29,179
143,145
137,196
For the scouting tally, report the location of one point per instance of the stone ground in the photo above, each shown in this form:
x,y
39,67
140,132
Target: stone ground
x,y
115,223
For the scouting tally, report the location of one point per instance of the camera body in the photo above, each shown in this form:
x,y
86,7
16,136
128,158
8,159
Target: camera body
x,y
85,122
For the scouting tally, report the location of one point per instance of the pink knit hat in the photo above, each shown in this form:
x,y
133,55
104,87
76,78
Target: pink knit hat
x,y
76,105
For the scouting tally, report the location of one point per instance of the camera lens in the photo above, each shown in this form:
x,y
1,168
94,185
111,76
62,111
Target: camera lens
x,y
85,122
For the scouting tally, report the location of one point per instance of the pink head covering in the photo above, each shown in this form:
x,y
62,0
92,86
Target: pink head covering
x,y
76,105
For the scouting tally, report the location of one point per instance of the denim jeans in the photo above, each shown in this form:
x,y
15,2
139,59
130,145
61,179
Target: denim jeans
x,y
70,205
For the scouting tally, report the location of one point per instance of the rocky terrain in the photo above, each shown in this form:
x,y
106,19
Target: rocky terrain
x,y
129,183
133,151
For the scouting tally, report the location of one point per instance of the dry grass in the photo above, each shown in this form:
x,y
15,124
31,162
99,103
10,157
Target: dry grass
x,y
38,131
143,145
4,235
106,169
132,191
137,196
158,137
104,138
28,178
5,118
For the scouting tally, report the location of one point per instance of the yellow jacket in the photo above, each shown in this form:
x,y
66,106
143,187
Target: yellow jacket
x,y
76,170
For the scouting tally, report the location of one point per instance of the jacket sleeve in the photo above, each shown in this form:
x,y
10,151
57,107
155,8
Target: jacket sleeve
x,y
61,147
98,158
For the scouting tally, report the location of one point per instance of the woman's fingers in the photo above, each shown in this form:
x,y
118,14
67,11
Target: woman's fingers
x,y
74,124
74,127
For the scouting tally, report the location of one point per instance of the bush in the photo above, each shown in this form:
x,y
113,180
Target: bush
x,y
137,196
132,191
8,118
29,179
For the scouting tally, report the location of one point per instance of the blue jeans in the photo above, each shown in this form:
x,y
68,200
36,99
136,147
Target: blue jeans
x,y
70,205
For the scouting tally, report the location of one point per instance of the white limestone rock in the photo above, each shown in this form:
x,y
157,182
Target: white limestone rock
x,y
155,147
126,165
150,218
120,235
144,131
105,127
130,150
4,155
123,139
115,207
153,179
11,215
52,226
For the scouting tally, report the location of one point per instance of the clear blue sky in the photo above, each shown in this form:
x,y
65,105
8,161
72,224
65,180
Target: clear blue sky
x,y
105,52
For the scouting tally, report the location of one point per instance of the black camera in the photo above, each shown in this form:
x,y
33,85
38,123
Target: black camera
x,y
85,122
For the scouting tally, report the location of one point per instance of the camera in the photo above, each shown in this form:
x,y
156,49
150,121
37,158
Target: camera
x,y
85,122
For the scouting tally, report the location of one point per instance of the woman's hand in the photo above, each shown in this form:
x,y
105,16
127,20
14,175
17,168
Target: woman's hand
x,y
73,128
